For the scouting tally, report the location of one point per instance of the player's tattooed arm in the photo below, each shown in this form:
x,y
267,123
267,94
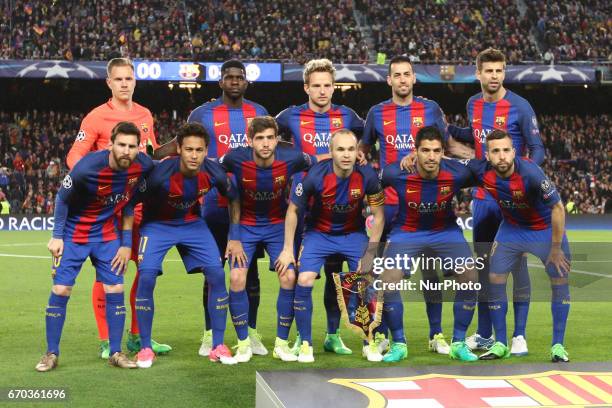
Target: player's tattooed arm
x,y
457,149
165,150
234,251
556,256
287,257
366,262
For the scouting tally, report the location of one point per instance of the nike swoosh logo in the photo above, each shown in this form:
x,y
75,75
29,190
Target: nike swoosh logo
x,y
222,299
119,307
327,195
58,307
238,317
475,120
100,188
490,188
305,122
409,191
387,122
141,300
174,195
247,180
220,123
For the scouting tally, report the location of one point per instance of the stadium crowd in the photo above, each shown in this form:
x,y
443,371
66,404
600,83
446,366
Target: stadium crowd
x,y
439,31
34,144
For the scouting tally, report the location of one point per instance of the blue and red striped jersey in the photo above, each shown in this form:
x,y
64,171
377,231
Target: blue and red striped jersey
x,y
310,130
227,127
94,195
173,198
262,190
525,198
335,204
512,114
427,204
395,128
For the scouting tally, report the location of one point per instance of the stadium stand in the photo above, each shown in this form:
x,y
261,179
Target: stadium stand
x,y
439,31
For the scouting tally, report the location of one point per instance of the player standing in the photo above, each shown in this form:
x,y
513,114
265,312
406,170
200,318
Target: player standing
x,y
171,195
94,134
226,120
426,224
495,107
394,124
262,173
87,207
310,127
334,192
533,222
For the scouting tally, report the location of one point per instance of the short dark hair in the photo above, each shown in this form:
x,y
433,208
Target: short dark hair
x,y
489,55
498,134
261,123
428,133
396,60
192,129
233,63
125,128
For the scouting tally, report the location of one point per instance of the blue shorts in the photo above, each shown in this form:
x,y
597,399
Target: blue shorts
x,y
448,247
271,237
317,246
511,242
67,267
194,241
486,218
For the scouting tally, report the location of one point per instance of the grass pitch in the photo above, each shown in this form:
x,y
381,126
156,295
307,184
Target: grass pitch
x,y
185,379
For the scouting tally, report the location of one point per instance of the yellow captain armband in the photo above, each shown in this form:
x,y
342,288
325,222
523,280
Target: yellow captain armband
x,y
376,200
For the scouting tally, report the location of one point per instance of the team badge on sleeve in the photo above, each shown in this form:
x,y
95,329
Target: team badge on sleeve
x,y
67,182
80,136
307,159
299,190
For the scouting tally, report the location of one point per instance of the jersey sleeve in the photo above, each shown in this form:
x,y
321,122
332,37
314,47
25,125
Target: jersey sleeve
x,y
477,167
84,141
228,161
356,124
303,161
531,134
388,174
542,187
465,176
465,134
440,121
68,189
373,189
369,131
194,116
220,179
302,190
283,119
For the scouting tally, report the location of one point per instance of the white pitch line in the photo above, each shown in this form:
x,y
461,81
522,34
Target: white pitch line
x,y
23,244
601,275
26,256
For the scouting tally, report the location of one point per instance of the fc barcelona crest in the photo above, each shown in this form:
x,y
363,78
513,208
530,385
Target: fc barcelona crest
x,y
355,193
444,190
517,194
144,127
336,122
417,121
279,180
500,121
132,180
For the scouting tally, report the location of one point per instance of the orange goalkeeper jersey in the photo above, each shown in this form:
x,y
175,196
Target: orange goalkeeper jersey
x,y
96,128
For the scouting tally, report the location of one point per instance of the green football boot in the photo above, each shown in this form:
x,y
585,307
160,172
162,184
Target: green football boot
x,y
498,351
558,354
460,351
397,352
104,349
333,343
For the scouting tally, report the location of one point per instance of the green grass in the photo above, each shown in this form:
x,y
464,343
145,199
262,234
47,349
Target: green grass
x,y
185,379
